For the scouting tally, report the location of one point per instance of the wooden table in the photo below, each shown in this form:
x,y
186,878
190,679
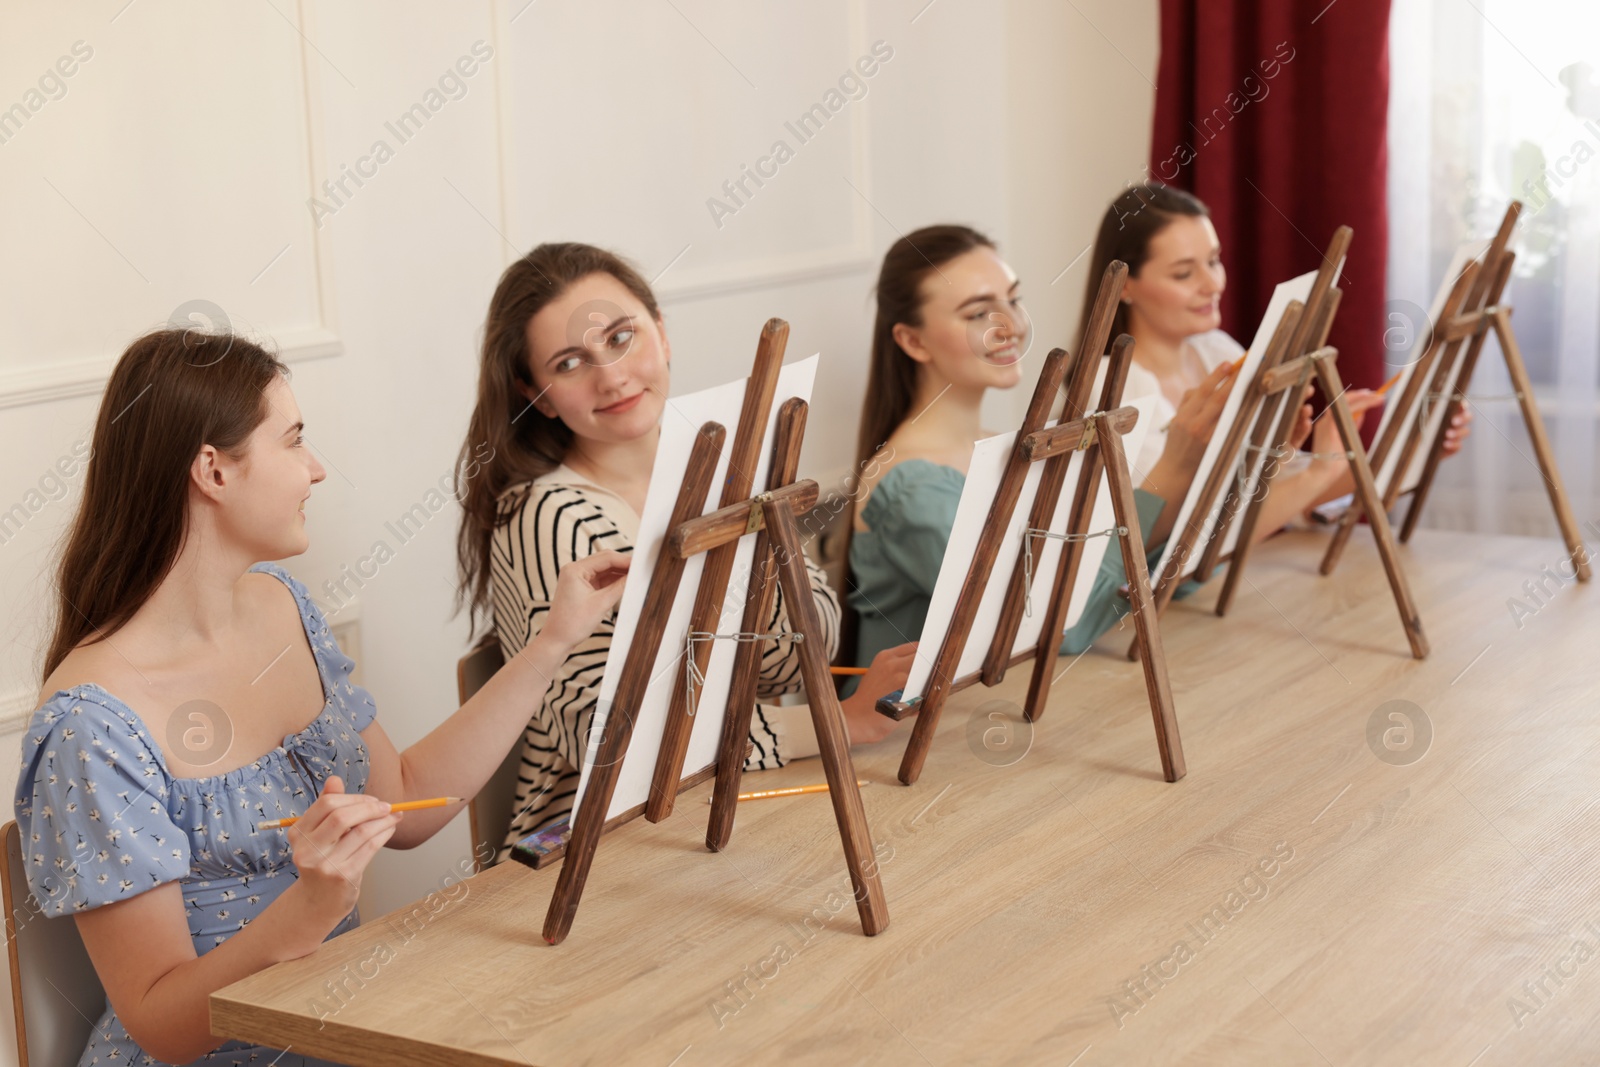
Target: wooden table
x,y
1294,900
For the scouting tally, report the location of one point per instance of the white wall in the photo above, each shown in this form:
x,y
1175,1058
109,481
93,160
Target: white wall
x,y
178,162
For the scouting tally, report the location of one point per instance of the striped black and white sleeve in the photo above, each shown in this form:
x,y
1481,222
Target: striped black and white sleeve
x,y
541,530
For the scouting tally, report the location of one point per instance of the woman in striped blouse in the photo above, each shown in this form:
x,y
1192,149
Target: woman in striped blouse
x,y
571,389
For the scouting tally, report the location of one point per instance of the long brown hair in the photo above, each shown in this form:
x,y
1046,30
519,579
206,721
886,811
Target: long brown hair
x,y
172,391
523,443
1130,224
892,375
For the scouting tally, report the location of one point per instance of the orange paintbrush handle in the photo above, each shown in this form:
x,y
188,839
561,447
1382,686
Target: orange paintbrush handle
x,y
405,805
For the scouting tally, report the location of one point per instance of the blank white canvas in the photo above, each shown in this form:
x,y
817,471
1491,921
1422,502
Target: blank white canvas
x,y
972,512
1250,469
1286,292
680,425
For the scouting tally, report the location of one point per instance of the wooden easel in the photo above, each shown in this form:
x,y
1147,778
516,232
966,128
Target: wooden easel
x,y
1472,310
1297,350
1099,436
778,556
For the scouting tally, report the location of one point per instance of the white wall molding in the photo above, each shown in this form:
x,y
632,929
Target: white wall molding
x,y
46,383
16,708
688,283
771,273
49,382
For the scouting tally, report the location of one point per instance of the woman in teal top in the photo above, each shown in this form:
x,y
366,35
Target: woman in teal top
x,y
950,326
896,560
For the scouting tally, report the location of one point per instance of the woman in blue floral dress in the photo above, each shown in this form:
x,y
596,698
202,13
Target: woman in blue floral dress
x,y
192,693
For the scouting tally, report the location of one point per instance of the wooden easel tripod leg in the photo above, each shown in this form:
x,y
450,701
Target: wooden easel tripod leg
x,y
1172,575
718,567
1080,382
832,737
1523,387
1252,515
1048,649
1452,403
1367,494
602,784
1233,500
1483,298
1438,348
1055,619
1154,659
759,598
988,547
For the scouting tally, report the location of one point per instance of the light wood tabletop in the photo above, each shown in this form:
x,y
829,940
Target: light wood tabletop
x,y
1314,892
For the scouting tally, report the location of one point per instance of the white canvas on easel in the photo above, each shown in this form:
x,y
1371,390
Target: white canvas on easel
x,y
972,512
680,424
1282,296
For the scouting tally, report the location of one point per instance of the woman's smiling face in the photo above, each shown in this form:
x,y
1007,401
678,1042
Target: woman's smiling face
x,y
1178,292
974,330
599,361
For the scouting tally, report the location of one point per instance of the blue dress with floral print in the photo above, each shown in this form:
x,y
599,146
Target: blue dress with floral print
x,y
102,819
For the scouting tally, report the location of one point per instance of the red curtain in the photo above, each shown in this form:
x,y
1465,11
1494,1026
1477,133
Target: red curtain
x,y
1275,114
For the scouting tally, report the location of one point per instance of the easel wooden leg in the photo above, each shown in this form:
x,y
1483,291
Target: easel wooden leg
x,y
983,557
1258,499
1012,608
759,598
1340,538
1483,298
1435,455
832,737
1049,647
1144,615
1436,389
1523,387
718,568
602,784
1352,514
1289,327
1367,494
1233,499
1054,475
741,699
1045,655
1389,440
1167,585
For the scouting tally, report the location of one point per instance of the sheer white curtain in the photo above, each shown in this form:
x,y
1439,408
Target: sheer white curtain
x,y
1493,100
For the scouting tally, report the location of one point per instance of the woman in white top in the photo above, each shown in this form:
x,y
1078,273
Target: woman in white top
x,y
571,391
1171,306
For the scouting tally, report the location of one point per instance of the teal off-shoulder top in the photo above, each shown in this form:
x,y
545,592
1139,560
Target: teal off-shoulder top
x,y
896,560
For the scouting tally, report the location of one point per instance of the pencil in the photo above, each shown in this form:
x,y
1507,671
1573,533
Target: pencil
x,y
405,805
1384,388
793,791
847,670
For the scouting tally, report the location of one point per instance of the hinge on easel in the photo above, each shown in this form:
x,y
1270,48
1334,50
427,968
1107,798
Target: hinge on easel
x,y
755,521
1088,438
